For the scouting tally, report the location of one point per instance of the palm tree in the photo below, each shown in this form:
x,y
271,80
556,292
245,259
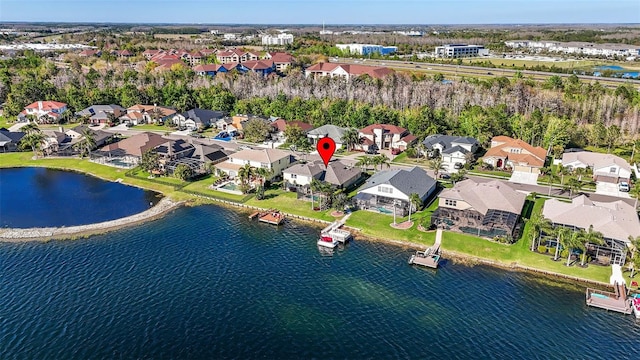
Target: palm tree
x,y
263,173
363,162
351,137
315,187
421,150
552,177
33,138
245,173
538,224
414,201
562,171
562,233
381,159
574,240
436,165
470,158
635,192
459,176
590,237
395,203
574,186
580,172
87,143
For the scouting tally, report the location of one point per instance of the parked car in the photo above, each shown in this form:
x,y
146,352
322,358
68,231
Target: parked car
x,y
624,186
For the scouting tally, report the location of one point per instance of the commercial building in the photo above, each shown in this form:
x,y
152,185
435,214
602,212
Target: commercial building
x,y
583,48
366,49
460,51
280,39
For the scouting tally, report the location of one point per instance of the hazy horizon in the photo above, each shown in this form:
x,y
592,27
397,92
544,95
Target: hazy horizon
x,y
331,12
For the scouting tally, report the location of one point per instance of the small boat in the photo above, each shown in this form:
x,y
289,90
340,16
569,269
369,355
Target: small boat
x,y
327,241
636,305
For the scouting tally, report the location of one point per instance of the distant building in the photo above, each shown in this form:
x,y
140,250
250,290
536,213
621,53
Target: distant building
x,y
576,48
347,70
460,51
280,39
366,49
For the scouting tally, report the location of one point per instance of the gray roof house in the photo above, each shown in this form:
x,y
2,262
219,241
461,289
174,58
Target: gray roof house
x,y
336,173
99,114
198,118
615,220
332,131
385,188
9,140
452,149
486,209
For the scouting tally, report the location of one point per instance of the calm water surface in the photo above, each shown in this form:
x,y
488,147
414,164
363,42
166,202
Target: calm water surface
x,y
38,197
206,283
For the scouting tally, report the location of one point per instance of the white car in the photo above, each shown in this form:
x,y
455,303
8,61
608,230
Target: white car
x,y
623,186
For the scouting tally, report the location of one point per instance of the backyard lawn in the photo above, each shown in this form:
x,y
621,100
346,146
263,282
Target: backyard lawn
x,y
287,201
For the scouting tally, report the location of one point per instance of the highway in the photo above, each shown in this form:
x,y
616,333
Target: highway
x,y
478,71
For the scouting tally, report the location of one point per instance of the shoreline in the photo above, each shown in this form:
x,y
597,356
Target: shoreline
x,y
26,235
19,235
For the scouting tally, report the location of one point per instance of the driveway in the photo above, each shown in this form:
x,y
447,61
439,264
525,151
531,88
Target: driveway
x,y
611,189
524,178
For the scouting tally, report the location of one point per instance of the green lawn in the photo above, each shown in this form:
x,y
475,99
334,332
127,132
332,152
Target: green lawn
x,y
153,127
286,201
202,187
169,180
379,226
6,122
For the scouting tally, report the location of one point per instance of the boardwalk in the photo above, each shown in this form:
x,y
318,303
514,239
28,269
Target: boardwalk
x,y
429,257
614,301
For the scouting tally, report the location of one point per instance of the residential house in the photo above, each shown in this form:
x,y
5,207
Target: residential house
x,y
213,69
166,61
336,173
141,114
453,150
197,118
347,71
486,209
261,67
192,154
90,53
605,167
102,114
77,133
122,54
56,142
274,159
506,152
385,136
43,111
128,152
10,140
280,125
238,120
389,191
150,53
617,221
282,60
235,56
331,131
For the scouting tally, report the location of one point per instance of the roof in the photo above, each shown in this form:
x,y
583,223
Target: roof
x,y
312,169
338,173
332,131
258,64
98,135
535,156
280,57
386,128
455,149
94,109
411,181
595,160
615,220
267,156
377,72
281,125
448,141
173,146
46,105
203,116
492,195
137,144
166,111
206,68
7,136
207,153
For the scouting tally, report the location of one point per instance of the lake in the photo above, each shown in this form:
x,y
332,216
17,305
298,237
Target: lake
x,y
39,197
207,283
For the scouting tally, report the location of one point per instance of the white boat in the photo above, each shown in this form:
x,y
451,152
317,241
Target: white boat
x,y
327,241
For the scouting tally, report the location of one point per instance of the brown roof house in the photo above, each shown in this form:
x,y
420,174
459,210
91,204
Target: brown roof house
x,y
128,152
141,114
516,154
347,71
483,209
385,136
280,125
615,220
337,173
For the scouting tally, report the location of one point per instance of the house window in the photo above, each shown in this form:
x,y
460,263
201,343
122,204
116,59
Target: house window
x,y
612,170
264,165
294,176
385,189
448,202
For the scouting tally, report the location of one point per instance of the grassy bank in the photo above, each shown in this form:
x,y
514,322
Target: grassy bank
x,y
370,224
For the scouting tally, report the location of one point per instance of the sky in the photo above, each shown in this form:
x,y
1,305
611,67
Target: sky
x,y
330,11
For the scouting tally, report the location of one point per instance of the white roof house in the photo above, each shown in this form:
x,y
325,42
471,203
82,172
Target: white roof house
x,y
603,165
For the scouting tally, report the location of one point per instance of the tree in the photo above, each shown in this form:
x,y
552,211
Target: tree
x,y
296,136
364,162
562,171
562,233
86,144
245,173
339,200
590,237
183,172
33,138
436,165
351,137
635,192
150,161
256,130
538,225
574,240
459,176
574,186
381,160
612,137
263,173
635,254
414,202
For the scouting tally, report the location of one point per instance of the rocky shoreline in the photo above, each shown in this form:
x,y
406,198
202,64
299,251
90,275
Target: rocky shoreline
x,y
50,233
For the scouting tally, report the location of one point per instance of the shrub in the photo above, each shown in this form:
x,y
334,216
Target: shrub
x,y
542,249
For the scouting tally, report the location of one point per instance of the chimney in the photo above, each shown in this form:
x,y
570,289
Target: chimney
x,y
40,105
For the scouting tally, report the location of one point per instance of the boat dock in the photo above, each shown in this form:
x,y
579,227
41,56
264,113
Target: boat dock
x,y
431,256
335,232
614,301
273,217
254,215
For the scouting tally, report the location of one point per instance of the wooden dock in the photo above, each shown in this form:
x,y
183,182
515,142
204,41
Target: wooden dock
x,y
254,215
614,301
273,217
334,231
431,256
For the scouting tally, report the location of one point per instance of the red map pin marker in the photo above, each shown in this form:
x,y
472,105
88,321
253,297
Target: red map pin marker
x,y
326,147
